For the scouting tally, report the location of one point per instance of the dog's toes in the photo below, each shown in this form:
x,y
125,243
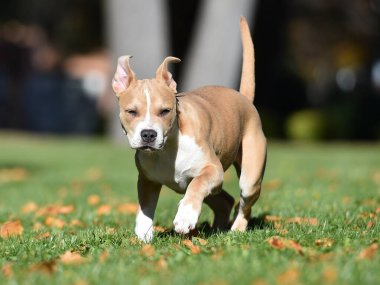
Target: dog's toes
x,y
183,227
144,235
185,220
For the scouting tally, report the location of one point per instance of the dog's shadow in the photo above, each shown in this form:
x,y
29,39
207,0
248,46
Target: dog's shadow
x,y
206,230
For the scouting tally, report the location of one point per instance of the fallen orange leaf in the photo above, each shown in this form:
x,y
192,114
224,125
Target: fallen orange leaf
x,y
37,226
103,210
70,257
281,243
148,250
201,241
161,264
269,218
94,174
272,184
11,228
93,200
193,248
7,270
47,267
103,256
76,223
13,174
368,252
159,229
54,222
302,221
324,242
29,207
290,277
330,274
52,210
43,235
128,208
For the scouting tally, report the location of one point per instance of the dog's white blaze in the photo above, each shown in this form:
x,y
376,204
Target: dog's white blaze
x,y
144,227
148,103
189,161
134,136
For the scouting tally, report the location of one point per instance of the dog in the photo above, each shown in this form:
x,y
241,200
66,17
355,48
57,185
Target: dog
x,y
187,141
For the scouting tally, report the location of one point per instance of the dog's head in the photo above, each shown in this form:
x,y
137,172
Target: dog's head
x,y
147,107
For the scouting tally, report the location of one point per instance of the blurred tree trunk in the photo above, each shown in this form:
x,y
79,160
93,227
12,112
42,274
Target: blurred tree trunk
x,y
138,28
215,55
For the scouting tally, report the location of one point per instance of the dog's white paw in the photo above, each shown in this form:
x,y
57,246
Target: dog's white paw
x,y
144,227
186,219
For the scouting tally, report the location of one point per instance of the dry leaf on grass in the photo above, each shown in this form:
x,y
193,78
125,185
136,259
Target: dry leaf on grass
x,y
13,174
53,210
330,275
148,250
159,229
7,270
272,184
111,231
94,174
324,242
302,221
76,223
193,248
54,222
368,252
289,277
201,241
70,257
93,200
295,220
29,207
11,228
47,267
103,256
42,235
161,264
128,208
282,243
103,210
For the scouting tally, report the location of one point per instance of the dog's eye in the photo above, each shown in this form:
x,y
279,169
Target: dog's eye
x,y
132,113
164,112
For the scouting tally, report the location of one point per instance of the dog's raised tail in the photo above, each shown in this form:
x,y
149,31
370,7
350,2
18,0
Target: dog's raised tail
x,y
247,81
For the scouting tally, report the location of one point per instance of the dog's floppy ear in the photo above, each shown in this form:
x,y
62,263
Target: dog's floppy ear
x,y
163,75
124,75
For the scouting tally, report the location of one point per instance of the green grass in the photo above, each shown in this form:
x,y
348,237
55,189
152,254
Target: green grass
x,y
337,184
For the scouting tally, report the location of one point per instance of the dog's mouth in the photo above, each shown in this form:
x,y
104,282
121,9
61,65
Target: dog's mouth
x,y
148,148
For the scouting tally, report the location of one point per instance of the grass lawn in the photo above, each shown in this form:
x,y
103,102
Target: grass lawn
x,y
72,204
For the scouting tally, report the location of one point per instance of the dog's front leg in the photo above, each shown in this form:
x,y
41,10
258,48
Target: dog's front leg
x,y
148,193
209,181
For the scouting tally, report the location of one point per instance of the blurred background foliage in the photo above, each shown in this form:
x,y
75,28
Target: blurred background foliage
x,y
317,66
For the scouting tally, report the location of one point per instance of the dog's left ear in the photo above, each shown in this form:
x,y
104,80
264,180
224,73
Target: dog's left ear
x,y
124,75
163,75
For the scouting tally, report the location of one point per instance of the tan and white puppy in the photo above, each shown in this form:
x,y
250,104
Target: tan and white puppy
x,y
187,141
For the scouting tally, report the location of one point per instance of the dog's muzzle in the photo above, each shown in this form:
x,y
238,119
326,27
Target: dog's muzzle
x,y
148,136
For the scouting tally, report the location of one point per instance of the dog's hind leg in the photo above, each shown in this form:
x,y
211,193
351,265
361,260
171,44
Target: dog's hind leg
x,y
251,167
221,204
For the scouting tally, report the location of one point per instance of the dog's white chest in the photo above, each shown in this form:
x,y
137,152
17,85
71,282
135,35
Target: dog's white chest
x,y
176,169
189,161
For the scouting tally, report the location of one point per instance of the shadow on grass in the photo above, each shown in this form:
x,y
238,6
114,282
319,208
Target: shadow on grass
x,y
206,230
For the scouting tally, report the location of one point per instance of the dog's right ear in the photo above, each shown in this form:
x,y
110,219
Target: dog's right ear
x,y
163,75
124,75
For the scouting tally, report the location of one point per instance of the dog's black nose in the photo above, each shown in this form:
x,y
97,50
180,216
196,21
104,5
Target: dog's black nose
x,y
148,136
